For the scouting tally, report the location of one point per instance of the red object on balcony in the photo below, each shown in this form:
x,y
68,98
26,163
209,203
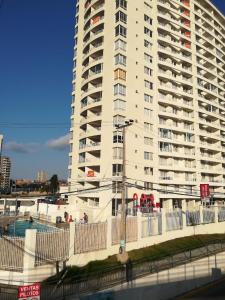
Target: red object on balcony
x,y
187,23
95,20
187,45
186,13
186,3
204,190
187,34
90,173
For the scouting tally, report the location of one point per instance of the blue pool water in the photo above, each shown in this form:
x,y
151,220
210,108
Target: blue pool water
x,y
18,228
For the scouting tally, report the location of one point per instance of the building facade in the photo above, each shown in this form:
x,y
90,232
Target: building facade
x,y
161,64
5,173
42,176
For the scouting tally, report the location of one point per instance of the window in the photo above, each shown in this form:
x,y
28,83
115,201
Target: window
x,y
148,185
117,170
148,98
147,126
120,59
119,104
148,32
148,141
148,171
117,137
121,3
148,58
148,85
119,74
148,19
120,16
148,71
120,44
117,153
147,155
147,44
119,89
165,133
120,30
118,119
147,112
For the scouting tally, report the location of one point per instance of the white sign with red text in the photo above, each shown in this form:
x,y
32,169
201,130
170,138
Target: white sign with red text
x,y
29,292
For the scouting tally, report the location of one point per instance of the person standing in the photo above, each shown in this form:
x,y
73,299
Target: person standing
x,y
85,218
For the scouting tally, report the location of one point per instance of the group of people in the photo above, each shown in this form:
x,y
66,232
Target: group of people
x,y
69,219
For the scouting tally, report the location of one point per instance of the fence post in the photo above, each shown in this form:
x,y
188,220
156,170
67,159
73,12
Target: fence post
x,y
163,220
29,254
72,239
109,233
216,210
184,209
139,225
201,214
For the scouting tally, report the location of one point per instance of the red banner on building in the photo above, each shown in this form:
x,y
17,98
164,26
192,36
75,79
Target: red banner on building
x,y
204,190
29,292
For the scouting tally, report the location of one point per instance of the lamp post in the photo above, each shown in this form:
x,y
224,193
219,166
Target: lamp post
x,y
122,249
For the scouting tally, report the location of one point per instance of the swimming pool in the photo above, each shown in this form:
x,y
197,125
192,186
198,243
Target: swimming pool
x,y
19,227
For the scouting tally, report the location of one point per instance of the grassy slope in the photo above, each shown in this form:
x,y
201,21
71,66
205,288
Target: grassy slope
x,y
149,253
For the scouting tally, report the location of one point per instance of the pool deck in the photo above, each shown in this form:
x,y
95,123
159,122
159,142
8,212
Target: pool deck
x,y
4,220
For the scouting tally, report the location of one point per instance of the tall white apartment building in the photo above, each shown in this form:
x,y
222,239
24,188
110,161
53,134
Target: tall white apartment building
x,y
161,64
42,176
5,170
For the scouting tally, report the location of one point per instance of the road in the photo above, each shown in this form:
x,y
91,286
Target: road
x,y
213,291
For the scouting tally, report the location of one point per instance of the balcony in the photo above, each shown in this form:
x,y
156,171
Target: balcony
x,y
89,102
91,132
90,147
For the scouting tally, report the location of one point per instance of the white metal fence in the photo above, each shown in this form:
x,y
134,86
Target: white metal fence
x,y
221,214
52,246
193,218
90,237
131,230
174,220
151,225
11,253
208,215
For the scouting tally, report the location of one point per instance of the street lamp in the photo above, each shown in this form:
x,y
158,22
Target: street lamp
x,y
122,249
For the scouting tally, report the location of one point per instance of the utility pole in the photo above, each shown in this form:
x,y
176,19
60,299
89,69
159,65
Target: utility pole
x,y
122,249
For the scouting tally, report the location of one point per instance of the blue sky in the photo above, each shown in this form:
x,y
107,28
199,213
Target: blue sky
x,y
36,47
36,51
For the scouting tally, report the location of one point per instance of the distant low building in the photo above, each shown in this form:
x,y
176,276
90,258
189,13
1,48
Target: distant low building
x,y
42,176
5,170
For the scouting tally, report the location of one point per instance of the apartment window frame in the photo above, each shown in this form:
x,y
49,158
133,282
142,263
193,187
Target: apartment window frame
x,y
148,155
148,84
121,3
148,98
120,30
148,71
120,59
147,19
119,89
120,74
121,17
148,58
120,44
119,104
